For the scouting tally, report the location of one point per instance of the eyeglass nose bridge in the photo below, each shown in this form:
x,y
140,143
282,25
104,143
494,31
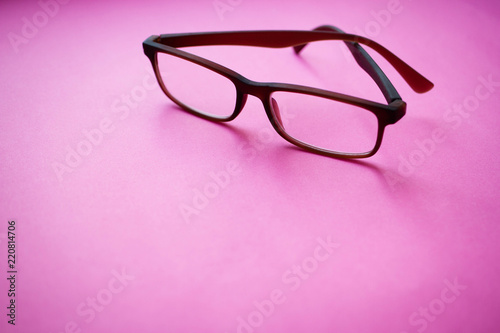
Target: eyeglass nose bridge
x,y
262,91
244,88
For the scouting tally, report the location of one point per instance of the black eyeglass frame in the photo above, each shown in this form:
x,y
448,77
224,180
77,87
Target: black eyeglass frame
x,y
386,113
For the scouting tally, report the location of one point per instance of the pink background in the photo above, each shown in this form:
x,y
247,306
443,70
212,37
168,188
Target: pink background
x,y
404,231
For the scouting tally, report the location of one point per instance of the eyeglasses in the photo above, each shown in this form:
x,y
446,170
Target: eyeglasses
x,y
317,120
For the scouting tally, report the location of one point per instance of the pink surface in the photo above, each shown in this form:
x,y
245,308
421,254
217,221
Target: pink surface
x,y
286,241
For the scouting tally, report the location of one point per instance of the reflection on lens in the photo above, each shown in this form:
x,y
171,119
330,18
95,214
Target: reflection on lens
x,y
327,124
197,87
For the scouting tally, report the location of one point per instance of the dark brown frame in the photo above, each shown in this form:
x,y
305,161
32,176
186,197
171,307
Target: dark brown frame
x,y
386,114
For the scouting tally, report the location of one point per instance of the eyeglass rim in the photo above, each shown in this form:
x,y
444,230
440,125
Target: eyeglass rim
x,y
386,114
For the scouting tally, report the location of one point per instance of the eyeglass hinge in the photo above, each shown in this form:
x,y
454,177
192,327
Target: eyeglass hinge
x,y
399,110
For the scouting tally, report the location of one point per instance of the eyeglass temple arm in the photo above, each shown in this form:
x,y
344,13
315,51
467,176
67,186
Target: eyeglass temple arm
x,y
290,38
366,62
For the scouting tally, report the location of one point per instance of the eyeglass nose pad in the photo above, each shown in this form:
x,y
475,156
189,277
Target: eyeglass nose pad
x,y
244,100
276,110
241,103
